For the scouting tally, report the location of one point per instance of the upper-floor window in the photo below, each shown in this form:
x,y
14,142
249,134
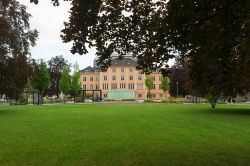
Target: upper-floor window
x,y
91,87
154,86
84,87
84,79
97,78
105,86
154,78
122,70
97,86
105,78
122,77
140,85
159,86
91,79
139,77
131,77
131,86
113,86
160,78
131,69
113,69
122,86
113,77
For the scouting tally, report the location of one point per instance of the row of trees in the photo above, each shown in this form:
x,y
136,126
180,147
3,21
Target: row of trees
x,y
67,84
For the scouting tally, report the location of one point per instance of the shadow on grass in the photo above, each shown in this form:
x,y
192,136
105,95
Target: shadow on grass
x,y
7,112
232,111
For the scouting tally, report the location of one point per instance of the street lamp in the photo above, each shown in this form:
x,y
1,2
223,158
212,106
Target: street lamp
x,y
177,89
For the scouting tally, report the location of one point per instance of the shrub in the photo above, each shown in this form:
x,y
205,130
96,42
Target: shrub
x,y
128,99
148,101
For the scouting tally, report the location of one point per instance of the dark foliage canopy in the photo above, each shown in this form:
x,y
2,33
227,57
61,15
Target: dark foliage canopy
x,y
16,37
56,65
211,35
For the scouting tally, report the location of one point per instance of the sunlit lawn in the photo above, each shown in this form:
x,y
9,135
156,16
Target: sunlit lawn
x,y
145,134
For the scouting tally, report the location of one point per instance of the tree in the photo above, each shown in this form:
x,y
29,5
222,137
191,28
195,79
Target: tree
x,y
16,37
75,84
41,79
16,75
215,43
56,65
179,73
64,84
165,84
149,83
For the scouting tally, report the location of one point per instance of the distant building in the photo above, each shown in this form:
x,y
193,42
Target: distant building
x,y
121,80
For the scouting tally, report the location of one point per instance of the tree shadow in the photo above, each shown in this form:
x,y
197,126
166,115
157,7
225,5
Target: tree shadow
x,y
7,112
232,111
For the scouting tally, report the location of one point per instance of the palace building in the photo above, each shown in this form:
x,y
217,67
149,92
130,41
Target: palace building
x,y
121,80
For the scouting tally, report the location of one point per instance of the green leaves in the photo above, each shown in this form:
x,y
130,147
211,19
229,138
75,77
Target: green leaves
x,y
165,84
64,84
41,78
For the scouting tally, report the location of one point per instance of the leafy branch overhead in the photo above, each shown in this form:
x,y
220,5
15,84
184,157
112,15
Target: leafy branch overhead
x,y
212,37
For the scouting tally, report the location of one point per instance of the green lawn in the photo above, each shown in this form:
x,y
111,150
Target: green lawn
x,y
145,134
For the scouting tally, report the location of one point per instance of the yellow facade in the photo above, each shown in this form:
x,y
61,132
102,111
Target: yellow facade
x,y
124,79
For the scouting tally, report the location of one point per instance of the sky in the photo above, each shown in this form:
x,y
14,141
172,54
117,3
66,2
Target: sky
x,y
48,20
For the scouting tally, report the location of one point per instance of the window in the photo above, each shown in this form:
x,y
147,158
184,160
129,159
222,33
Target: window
x,y
139,77
154,78
91,87
84,87
113,69
113,86
113,77
161,95
131,69
140,86
122,77
122,86
105,86
154,95
154,86
160,78
97,87
84,79
139,95
105,78
91,79
122,70
131,86
97,78
105,95
159,86
131,77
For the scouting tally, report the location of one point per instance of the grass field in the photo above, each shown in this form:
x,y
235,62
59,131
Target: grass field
x,y
145,134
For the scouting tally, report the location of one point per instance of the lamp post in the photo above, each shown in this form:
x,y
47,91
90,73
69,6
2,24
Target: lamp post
x,y
177,89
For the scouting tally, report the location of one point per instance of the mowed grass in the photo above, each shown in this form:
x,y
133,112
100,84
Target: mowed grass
x,y
143,134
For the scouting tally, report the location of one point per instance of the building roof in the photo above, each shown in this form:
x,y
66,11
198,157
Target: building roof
x,y
123,62
90,69
114,62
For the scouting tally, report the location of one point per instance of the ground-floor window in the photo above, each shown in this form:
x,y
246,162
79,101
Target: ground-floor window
x,y
105,95
161,95
154,95
139,95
